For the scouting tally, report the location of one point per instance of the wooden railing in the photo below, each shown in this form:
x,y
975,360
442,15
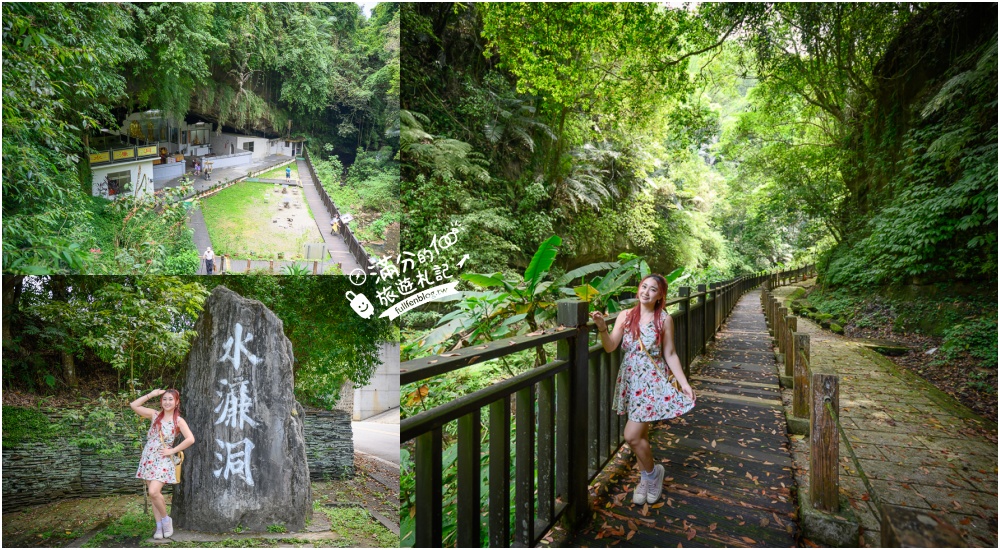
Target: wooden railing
x,y
815,396
563,405
355,247
815,399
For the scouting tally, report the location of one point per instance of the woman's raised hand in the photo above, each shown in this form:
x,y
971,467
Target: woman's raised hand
x,y
157,393
598,319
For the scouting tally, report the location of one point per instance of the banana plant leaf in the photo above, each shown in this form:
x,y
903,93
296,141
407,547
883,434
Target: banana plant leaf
x,y
542,261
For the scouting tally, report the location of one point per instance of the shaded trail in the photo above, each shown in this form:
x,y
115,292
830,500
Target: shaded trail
x,y
728,467
919,447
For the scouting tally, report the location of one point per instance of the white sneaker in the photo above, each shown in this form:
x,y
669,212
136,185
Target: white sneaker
x,y
655,487
639,497
159,531
168,527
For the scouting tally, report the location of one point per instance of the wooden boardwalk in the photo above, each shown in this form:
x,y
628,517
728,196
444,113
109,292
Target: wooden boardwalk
x,y
728,467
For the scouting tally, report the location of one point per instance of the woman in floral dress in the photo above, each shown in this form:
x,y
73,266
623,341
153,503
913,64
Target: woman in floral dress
x,y
642,390
156,466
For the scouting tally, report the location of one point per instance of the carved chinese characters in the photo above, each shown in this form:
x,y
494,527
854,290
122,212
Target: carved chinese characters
x,y
248,467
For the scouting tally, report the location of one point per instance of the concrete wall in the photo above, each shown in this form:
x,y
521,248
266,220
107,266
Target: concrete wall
x,y
138,169
163,173
241,158
221,143
41,472
382,392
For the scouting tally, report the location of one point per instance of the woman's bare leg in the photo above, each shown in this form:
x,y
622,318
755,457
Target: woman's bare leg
x,y
156,497
636,435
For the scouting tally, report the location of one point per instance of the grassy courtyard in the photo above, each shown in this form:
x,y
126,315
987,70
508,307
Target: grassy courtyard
x,y
247,221
278,173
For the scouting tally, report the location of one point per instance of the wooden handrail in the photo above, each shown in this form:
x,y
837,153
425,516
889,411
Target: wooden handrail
x,y
568,399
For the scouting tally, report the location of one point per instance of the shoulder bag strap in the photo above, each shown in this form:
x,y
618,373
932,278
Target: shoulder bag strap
x,y
669,375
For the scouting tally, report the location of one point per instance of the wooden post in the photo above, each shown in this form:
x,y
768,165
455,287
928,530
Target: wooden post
x,y
702,289
791,325
800,392
315,267
685,306
469,479
248,266
428,489
713,288
824,444
573,313
781,334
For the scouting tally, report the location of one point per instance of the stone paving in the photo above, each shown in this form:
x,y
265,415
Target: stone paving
x,y
918,446
339,254
223,175
335,245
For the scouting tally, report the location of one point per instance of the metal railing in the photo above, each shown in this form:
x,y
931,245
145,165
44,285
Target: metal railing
x,y
125,153
353,245
563,405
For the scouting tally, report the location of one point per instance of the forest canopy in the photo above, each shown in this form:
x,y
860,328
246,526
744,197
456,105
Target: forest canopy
x,y
92,334
722,138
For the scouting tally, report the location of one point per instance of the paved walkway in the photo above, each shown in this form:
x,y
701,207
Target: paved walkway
x,y
339,252
728,479
223,175
918,446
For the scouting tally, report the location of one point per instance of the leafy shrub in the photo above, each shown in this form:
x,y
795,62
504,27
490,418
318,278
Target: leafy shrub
x,y
184,263
977,337
21,425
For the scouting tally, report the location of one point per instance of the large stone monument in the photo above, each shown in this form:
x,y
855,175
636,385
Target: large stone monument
x,y
248,466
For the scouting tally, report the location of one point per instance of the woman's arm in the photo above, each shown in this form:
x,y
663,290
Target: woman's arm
x,y
674,362
188,439
146,411
610,340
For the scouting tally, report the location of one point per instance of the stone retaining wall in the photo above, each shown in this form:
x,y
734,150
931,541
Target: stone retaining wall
x,y
38,472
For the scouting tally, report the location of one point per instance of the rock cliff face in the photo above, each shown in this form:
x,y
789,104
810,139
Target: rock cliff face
x,y
248,466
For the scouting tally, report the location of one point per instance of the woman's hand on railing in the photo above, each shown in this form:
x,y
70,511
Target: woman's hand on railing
x,y
598,318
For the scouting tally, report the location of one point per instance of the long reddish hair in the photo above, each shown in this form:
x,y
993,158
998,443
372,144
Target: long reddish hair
x,y
177,410
632,316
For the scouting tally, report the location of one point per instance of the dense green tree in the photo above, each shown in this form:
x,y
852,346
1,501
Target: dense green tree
x,y
139,328
71,68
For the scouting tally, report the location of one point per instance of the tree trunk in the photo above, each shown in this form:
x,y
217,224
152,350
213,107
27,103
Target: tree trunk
x,y
69,370
12,286
59,292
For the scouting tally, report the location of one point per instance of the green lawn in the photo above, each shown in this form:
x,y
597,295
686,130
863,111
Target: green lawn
x,y
279,172
239,223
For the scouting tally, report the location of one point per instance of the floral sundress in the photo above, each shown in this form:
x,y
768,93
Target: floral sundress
x,y
641,391
152,466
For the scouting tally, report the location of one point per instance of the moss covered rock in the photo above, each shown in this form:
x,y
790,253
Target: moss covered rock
x,y
801,306
836,328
